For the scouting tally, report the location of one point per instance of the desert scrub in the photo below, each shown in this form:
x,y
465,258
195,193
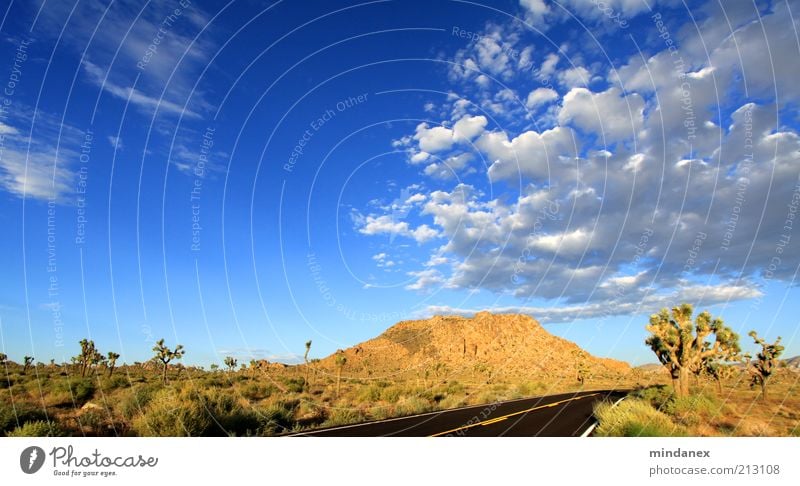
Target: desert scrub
x,y
192,412
343,416
659,396
694,409
79,390
412,406
530,389
633,417
136,399
13,416
38,428
170,414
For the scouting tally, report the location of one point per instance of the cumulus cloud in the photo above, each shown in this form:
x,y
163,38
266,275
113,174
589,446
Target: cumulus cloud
x,y
386,224
529,154
609,114
540,96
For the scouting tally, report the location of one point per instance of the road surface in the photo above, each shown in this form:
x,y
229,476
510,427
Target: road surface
x,y
565,415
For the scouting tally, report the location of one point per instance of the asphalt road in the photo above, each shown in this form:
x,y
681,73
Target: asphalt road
x,y
565,415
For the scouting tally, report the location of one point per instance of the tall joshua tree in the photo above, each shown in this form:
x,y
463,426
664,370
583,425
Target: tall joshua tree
x,y
305,358
88,352
682,346
230,362
112,362
28,361
340,361
165,355
766,362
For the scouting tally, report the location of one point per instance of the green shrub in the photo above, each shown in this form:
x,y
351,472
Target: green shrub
x,y
659,396
694,409
633,417
392,393
168,414
275,420
192,412
109,383
256,392
81,390
38,428
412,406
344,416
371,394
10,416
295,385
530,389
134,402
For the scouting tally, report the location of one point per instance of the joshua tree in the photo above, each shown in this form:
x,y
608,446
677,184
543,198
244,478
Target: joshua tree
x,y
88,352
681,346
340,361
112,362
3,359
305,358
762,369
214,367
165,355
582,368
96,360
28,361
230,362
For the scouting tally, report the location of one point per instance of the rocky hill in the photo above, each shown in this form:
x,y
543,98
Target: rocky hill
x,y
490,346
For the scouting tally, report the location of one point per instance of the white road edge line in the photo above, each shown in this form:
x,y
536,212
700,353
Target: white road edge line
x,y
596,423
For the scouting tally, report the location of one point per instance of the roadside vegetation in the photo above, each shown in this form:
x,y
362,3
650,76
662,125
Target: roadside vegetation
x,y
96,395
705,386
715,389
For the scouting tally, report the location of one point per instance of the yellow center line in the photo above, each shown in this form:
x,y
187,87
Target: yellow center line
x,y
505,417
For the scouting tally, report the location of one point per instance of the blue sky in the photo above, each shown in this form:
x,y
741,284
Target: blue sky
x,y
240,178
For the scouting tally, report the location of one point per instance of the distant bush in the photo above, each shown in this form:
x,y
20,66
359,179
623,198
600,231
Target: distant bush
x,y
633,418
256,392
109,383
38,428
530,388
295,385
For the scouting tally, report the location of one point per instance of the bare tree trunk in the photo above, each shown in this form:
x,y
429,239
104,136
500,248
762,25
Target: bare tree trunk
x,y
683,382
763,388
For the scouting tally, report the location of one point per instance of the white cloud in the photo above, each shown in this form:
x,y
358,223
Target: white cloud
x,y
469,127
540,96
609,114
386,224
425,279
699,296
433,139
134,96
40,166
574,77
530,154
